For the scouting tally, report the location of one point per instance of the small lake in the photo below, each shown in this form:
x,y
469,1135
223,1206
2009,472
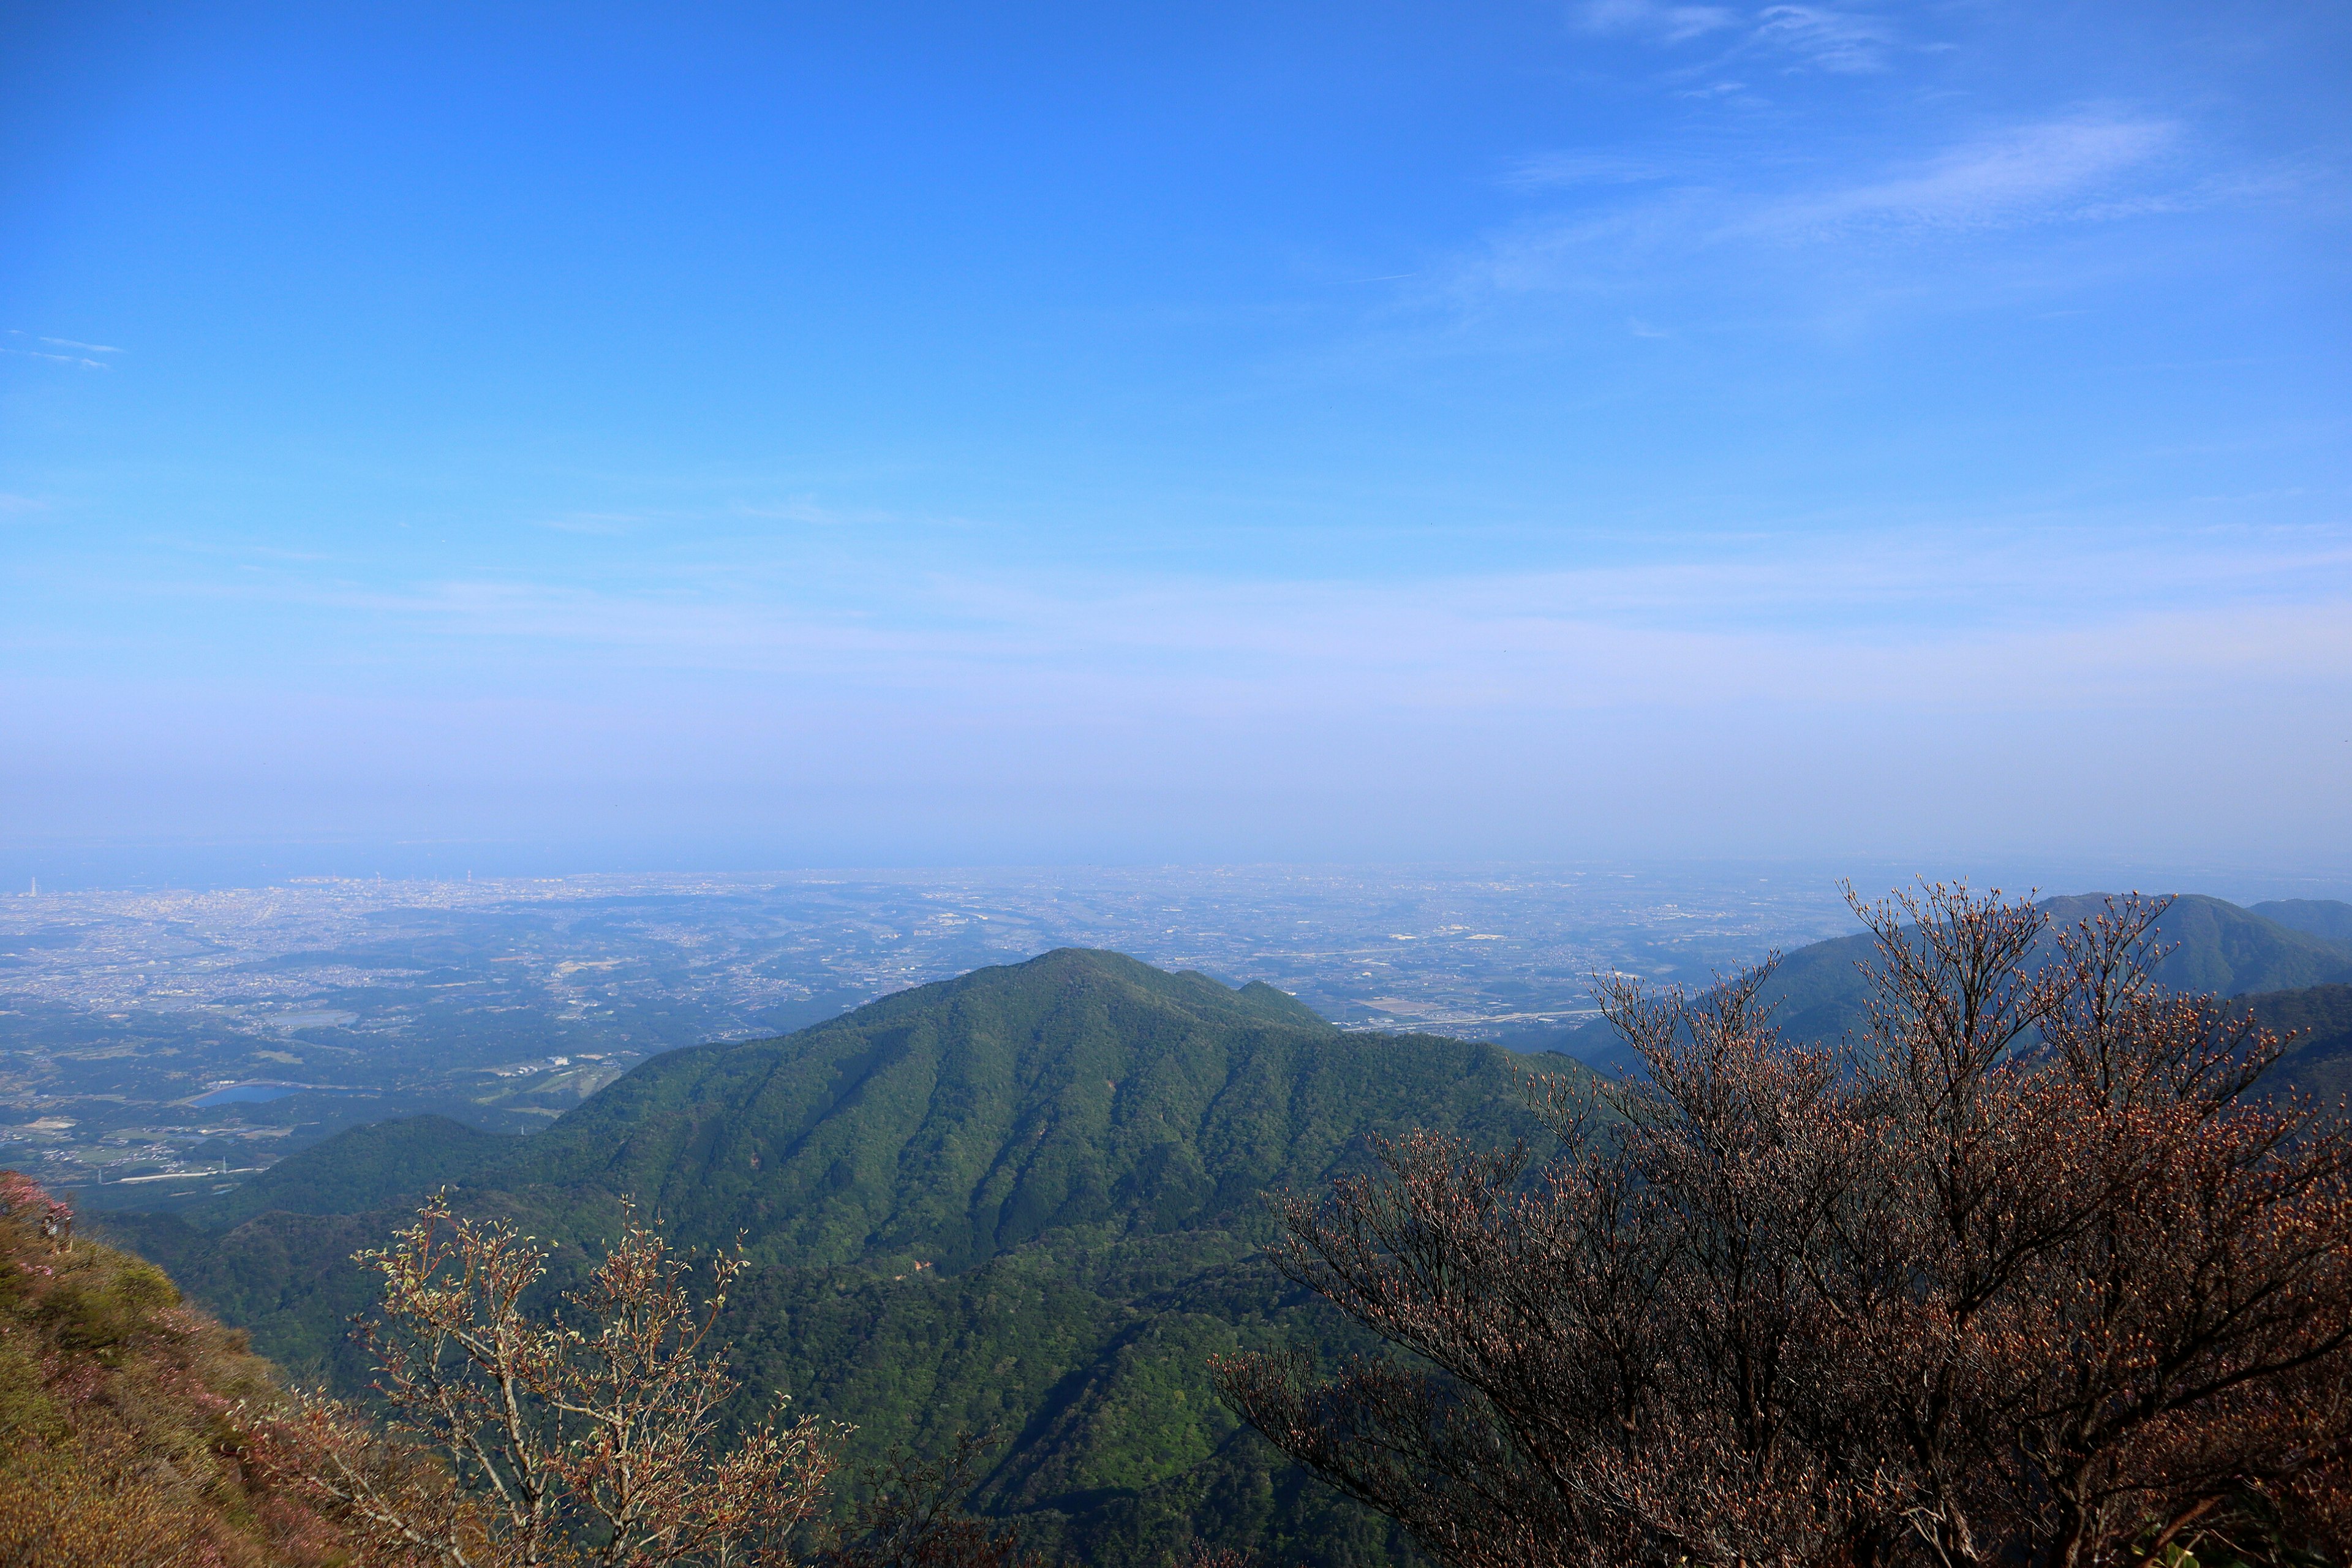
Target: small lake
x,y
250,1093
318,1019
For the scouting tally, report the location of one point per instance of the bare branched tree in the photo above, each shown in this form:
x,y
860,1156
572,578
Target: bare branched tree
x,y
2021,1277
512,1442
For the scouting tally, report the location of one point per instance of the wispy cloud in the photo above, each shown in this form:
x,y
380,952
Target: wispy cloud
x,y
1546,169
1825,620
1669,23
1821,38
1746,680
1824,37
2025,175
75,360
79,357
2085,169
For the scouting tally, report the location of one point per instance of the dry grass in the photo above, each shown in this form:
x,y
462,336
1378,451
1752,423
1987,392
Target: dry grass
x,y
124,1415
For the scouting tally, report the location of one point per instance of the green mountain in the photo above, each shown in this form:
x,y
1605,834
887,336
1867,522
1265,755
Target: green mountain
x,y
952,1122
1819,992
1028,1198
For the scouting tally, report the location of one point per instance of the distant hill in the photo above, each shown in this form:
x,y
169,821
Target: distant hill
x,y
1029,1197
1819,992
362,1168
2328,918
2228,950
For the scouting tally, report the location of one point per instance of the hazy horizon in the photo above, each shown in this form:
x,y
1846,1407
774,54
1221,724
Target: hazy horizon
x,y
119,869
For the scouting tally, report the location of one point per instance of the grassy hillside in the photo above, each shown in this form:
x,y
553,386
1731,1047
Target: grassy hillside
x,y
1028,1198
120,1407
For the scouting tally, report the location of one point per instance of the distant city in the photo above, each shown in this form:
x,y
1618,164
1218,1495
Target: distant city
x,y
167,1042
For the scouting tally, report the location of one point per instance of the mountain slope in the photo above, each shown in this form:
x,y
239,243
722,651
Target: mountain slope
x,y
2318,1058
2228,950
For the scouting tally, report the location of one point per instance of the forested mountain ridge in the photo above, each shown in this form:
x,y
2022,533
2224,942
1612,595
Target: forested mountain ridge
x,y
1819,992
2220,947
2327,918
1030,1197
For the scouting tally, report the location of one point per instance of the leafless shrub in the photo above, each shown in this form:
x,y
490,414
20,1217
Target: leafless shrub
x,y
2021,1277
511,1441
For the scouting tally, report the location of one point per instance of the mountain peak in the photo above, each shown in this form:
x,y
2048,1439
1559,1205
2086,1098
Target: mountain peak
x,y
1074,968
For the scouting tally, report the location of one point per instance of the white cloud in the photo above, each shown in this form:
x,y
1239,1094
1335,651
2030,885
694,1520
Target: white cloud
x,y
1984,619
1756,688
2080,170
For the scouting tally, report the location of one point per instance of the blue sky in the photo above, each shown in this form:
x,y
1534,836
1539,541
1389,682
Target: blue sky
x,y
774,436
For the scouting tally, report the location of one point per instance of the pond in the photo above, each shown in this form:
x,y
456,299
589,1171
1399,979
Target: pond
x,y
250,1093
